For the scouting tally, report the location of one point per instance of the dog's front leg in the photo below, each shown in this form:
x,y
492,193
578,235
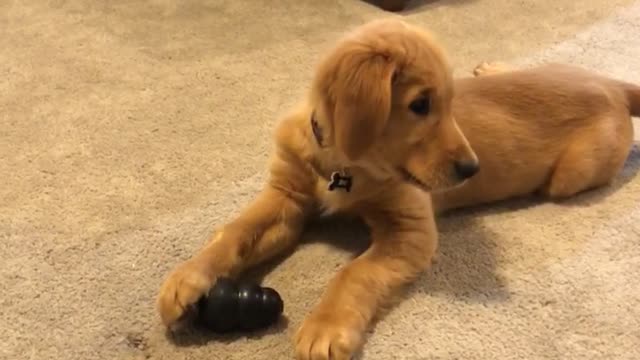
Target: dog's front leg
x,y
269,225
400,251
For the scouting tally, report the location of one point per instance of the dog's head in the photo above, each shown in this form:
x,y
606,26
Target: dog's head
x,y
383,98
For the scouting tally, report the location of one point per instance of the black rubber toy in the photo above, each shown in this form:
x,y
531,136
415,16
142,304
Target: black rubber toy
x,y
239,307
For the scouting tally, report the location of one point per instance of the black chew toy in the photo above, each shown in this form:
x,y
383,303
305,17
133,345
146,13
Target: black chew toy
x,y
234,307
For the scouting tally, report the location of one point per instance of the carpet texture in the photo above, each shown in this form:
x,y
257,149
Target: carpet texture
x,y
128,129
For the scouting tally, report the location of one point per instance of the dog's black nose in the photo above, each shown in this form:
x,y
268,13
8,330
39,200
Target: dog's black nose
x,y
466,169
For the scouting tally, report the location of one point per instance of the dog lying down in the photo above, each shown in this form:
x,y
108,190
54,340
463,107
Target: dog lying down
x,y
384,130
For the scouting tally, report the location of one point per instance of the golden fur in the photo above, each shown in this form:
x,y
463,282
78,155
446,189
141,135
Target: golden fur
x,y
555,128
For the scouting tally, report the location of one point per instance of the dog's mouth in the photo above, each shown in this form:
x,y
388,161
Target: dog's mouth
x,y
412,179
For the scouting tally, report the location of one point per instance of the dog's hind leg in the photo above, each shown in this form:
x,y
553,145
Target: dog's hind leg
x,y
490,68
592,160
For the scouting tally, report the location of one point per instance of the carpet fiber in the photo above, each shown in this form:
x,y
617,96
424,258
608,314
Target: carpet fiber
x,y
128,129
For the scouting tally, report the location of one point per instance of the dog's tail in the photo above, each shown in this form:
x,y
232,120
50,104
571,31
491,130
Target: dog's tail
x,y
633,97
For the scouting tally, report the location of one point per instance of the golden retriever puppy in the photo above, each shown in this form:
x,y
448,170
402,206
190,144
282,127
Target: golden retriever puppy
x,y
374,135
554,129
378,135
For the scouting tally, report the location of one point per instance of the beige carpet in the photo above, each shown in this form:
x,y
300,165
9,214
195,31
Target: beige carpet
x,y
129,128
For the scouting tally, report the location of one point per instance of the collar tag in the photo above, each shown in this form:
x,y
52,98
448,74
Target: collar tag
x,y
340,181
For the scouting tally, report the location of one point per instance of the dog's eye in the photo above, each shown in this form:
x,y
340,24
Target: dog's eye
x,y
420,106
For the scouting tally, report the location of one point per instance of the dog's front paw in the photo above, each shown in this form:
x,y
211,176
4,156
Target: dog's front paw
x,y
327,337
182,289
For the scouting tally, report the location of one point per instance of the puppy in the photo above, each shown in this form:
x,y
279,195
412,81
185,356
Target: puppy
x,y
378,132
554,130
374,135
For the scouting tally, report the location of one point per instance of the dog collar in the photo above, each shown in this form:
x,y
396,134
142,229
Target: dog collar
x,y
316,129
339,179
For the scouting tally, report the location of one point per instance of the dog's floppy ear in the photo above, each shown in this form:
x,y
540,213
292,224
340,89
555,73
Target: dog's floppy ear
x,y
362,101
